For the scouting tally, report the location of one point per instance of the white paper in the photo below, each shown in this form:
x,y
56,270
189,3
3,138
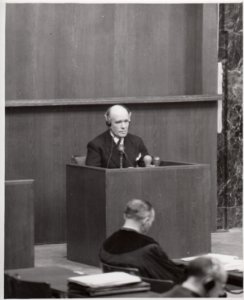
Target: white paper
x,y
229,262
105,279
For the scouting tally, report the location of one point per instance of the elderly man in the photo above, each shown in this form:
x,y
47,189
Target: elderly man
x,y
130,247
116,147
206,277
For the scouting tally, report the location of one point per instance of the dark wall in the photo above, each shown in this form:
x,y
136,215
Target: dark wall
x,y
19,224
107,50
68,51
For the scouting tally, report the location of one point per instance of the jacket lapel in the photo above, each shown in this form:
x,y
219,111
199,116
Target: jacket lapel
x,y
112,152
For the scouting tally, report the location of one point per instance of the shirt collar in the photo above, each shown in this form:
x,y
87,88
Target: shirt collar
x,y
116,139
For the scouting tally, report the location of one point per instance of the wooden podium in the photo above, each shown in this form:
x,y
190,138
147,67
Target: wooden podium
x,y
96,199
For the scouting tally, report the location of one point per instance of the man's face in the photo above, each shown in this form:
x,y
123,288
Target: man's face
x,y
120,121
217,290
219,283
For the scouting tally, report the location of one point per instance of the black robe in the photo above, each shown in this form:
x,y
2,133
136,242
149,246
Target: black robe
x,y
103,152
129,248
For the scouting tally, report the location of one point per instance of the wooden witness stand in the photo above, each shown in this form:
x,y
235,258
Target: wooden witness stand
x,y
96,198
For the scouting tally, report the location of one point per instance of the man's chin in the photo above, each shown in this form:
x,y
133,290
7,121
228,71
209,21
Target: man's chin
x,y
122,135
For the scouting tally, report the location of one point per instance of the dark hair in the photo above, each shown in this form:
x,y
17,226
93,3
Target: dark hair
x,y
137,209
199,267
206,266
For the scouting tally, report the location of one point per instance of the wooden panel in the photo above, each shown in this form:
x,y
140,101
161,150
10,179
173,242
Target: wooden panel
x,y
209,49
86,213
207,52
181,132
180,196
19,224
39,144
58,51
40,141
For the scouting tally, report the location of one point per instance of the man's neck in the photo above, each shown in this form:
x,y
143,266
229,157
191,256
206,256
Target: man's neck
x,y
113,135
116,138
130,224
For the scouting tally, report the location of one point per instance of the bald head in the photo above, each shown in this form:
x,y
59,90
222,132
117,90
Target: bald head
x,y
117,110
118,119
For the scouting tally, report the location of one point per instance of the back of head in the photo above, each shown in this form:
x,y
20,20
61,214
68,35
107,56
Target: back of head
x,y
138,209
139,215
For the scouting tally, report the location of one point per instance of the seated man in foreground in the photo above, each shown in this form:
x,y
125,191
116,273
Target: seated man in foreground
x,y
130,247
206,277
116,147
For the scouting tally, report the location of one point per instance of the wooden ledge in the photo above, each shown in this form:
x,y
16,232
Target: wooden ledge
x,y
111,101
19,181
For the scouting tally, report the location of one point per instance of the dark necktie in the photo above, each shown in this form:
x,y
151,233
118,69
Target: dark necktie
x,y
119,141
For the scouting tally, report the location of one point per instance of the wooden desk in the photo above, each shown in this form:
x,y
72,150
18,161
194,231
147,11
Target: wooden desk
x,y
57,278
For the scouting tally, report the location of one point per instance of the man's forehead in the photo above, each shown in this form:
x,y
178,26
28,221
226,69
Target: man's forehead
x,y
119,112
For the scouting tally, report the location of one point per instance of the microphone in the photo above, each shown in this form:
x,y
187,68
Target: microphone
x,y
121,149
147,160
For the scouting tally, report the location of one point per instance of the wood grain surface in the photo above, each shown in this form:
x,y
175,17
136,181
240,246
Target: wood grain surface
x,y
180,195
58,51
111,101
86,213
19,224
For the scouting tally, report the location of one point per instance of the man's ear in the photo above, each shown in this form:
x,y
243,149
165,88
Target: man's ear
x,y
208,284
107,120
129,116
146,220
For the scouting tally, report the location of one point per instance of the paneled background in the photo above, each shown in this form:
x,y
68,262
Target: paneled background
x,y
109,50
77,51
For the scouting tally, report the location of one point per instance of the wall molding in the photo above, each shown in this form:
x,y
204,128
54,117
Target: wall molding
x,y
111,101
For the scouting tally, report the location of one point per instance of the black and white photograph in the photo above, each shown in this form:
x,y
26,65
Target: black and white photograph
x,y
122,149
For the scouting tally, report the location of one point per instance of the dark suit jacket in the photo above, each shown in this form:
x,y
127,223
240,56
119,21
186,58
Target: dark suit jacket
x,y
128,248
103,152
